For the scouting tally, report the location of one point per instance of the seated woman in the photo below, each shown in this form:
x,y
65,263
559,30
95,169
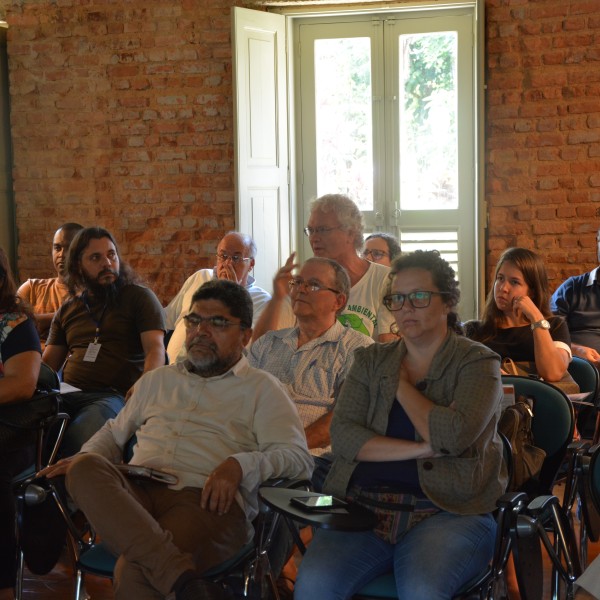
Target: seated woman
x,y
20,359
517,322
415,424
381,248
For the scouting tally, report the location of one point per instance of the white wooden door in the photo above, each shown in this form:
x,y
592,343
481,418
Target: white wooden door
x,y
261,146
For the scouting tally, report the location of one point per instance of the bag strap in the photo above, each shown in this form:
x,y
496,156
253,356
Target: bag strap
x,y
508,364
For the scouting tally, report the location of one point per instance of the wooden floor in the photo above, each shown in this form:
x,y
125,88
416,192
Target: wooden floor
x,y
58,585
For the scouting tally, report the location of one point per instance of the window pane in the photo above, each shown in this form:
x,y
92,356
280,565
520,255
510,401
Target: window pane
x,y
428,127
344,130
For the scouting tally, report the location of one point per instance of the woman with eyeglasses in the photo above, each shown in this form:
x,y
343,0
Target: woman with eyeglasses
x,y
414,438
517,322
381,248
20,359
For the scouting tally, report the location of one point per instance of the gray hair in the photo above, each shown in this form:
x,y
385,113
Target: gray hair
x,y
247,240
340,275
346,211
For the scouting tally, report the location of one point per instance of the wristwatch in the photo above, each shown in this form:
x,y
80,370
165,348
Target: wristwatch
x,y
543,324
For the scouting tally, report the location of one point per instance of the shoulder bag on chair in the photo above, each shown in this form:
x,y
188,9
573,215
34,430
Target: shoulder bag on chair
x,y
525,368
527,458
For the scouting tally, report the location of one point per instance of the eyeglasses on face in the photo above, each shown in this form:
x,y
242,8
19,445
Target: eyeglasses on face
x,y
308,231
236,259
312,285
418,299
194,321
376,254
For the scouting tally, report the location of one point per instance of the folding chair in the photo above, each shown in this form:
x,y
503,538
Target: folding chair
x,y
248,574
588,379
15,421
485,585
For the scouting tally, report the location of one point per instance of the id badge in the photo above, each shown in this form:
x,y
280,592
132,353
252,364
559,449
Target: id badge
x,y
91,354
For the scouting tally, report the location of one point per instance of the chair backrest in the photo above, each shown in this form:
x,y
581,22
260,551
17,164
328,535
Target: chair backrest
x,y
47,379
586,376
553,423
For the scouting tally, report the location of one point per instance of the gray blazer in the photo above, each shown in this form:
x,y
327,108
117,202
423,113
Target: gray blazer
x,y
465,384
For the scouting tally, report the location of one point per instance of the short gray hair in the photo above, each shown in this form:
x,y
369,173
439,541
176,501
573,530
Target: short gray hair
x,y
247,240
340,275
346,211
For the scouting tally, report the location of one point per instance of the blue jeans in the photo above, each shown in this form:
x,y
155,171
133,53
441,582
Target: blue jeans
x,y
431,562
88,411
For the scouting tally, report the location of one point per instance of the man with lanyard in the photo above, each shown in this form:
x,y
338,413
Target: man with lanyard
x,y
236,253
104,337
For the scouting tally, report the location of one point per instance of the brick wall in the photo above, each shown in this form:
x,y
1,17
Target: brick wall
x,y
543,130
122,116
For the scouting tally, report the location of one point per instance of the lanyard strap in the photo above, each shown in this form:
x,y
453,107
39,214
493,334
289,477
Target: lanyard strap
x,y
97,322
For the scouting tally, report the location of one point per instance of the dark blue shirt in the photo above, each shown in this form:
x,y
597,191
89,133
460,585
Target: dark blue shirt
x,y
578,301
400,475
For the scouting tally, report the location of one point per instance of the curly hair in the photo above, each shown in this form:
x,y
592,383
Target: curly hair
x,y
234,296
346,211
442,274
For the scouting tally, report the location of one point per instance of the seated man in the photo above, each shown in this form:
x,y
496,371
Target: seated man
x,y
335,230
109,331
235,258
312,359
46,295
578,300
219,425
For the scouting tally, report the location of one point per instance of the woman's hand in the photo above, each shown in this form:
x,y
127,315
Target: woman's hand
x,y
523,307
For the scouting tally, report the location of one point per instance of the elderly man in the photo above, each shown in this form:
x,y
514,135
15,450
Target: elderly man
x,y
109,332
578,300
217,424
312,359
46,295
335,230
236,253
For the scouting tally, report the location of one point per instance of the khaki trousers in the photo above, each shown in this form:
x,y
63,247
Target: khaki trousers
x,y
158,533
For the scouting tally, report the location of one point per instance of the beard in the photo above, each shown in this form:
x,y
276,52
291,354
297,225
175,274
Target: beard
x,y
104,293
207,362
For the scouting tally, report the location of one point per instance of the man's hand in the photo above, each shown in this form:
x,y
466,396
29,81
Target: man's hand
x,y
59,468
584,352
221,486
228,272
280,282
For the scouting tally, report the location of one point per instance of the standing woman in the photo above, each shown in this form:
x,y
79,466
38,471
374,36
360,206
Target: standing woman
x,y
517,322
415,427
20,358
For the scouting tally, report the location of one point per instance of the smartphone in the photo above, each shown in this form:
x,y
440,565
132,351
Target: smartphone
x,y
317,502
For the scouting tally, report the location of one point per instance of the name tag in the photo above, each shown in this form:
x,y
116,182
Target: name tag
x,y
91,354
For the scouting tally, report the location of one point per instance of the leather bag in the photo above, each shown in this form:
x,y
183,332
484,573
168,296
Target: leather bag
x,y
524,368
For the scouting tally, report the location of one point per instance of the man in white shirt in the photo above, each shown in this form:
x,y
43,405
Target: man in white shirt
x,y
313,358
335,230
216,423
236,255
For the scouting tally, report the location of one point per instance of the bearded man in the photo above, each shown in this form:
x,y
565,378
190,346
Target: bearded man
x,y
108,333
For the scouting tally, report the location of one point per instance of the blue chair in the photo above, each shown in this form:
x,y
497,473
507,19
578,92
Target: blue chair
x,y
483,586
587,378
248,573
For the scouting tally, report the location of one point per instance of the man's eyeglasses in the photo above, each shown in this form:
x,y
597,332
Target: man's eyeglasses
x,y
311,285
376,254
236,259
419,299
193,321
319,230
